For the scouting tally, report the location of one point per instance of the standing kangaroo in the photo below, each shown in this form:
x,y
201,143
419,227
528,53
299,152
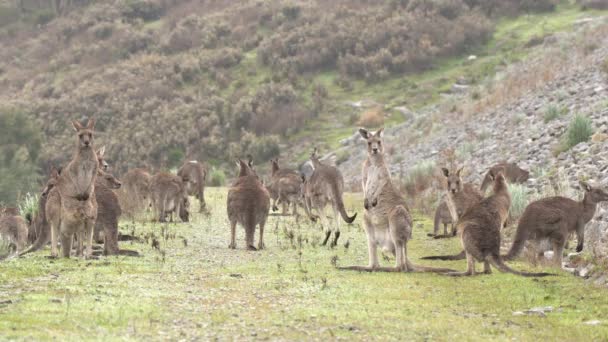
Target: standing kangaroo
x,y
512,172
387,219
169,194
76,188
196,173
555,218
136,187
248,204
503,215
324,186
479,230
284,187
463,196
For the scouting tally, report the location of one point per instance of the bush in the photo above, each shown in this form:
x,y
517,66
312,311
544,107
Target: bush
x,y
218,177
553,112
372,118
147,10
594,4
28,206
579,130
420,177
519,201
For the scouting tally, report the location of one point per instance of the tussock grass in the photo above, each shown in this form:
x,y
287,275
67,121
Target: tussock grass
x,y
519,201
554,112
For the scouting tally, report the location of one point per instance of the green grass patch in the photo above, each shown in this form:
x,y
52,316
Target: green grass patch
x,y
554,112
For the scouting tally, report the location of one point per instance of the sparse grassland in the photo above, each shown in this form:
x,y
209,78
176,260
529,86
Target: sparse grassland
x,y
194,287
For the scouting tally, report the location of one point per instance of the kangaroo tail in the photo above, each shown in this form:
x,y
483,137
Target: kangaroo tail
x,y
459,256
41,240
518,243
340,203
497,262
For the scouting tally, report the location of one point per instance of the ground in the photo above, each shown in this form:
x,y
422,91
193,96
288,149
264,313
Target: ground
x,y
193,287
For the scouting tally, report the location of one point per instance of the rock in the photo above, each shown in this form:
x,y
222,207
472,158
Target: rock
x,y
593,322
459,88
599,137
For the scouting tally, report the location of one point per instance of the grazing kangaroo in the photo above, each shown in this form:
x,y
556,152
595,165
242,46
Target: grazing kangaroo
x,y
136,185
512,172
479,230
284,187
14,230
248,205
325,186
463,196
196,173
169,194
555,218
504,215
387,219
76,189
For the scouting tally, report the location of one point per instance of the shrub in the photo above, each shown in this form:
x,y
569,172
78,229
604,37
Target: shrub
x,y
519,201
594,4
218,177
175,157
420,177
372,118
553,112
579,130
28,206
146,10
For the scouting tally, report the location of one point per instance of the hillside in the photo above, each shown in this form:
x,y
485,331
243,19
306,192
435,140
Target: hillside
x,y
215,80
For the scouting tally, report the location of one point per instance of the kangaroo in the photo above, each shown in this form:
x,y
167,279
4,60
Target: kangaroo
x,y
248,204
196,173
136,186
169,194
387,219
504,215
76,188
284,187
479,230
512,172
8,211
463,196
108,212
555,218
324,186
14,230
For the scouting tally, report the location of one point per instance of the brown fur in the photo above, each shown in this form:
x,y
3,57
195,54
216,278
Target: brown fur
x,y
196,173
479,230
13,228
248,205
512,173
463,196
387,219
136,187
169,195
76,187
325,186
555,218
108,212
8,211
284,187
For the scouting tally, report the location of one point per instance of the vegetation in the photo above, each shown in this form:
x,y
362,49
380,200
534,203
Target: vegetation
x,y
579,130
191,286
218,178
519,201
554,112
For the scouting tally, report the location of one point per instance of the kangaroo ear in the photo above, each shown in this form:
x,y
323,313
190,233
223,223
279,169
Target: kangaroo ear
x,y
585,186
459,171
101,151
364,133
446,172
91,123
54,172
77,126
250,160
238,163
380,133
491,174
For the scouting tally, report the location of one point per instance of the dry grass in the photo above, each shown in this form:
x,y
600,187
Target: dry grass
x,y
372,118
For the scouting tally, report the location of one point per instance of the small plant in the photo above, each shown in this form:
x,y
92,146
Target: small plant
x,y
579,130
218,177
420,177
553,112
519,201
28,206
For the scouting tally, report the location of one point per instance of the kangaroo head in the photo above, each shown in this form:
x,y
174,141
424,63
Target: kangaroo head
x,y
103,165
109,180
500,182
594,193
85,133
454,180
314,157
274,163
374,141
52,182
246,168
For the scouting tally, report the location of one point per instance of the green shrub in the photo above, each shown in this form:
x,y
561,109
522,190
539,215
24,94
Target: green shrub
x,y
579,130
175,157
28,206
218,177
43,17
420,177
519,200
553,112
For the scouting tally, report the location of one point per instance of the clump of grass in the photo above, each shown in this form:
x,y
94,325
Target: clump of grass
x,y
218,177
420,177
373,117
28,206
579,130
5,246
519,201
553,112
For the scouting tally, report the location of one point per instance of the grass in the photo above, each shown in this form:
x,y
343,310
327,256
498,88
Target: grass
x,y
193,287
579,130
554,112
519,200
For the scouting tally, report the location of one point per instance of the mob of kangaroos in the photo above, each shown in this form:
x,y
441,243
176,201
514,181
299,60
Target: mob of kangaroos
x,y
285,187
